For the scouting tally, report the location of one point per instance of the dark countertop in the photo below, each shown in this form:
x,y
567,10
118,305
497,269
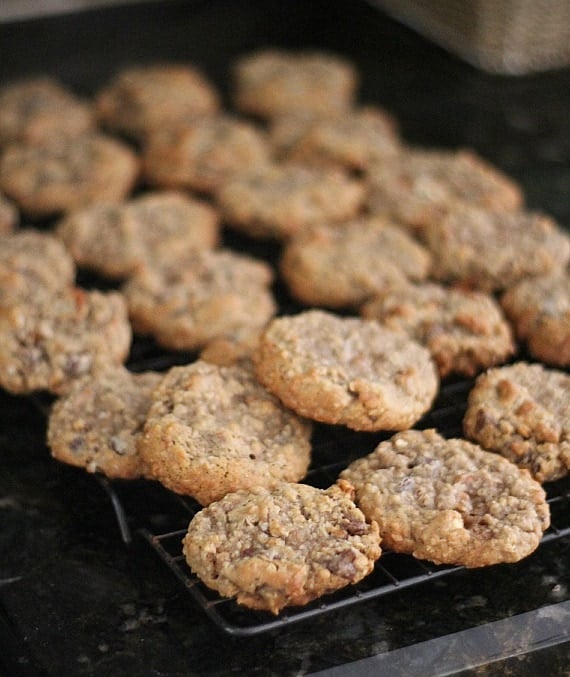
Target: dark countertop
x,y
74,599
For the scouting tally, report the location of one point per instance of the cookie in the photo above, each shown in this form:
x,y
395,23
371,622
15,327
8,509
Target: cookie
x,y
282,547
211,430
272,82
32,261
204,153
277,201
187,301
53,339
522,411
96,425
37,109
117,239
465,331
357,140
343,265
231,348
140,100
493,250
9,216
539,309
449,501
418,187
64,174
346,370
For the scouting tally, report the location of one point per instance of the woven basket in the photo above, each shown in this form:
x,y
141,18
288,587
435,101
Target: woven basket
x,y
512,37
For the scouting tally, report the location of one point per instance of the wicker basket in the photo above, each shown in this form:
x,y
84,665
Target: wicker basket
x,y
512,37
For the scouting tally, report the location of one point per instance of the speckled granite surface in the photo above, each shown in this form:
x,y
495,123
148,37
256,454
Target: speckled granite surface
x,y
73,599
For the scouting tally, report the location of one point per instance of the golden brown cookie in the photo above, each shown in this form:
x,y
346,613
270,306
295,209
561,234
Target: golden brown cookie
x,y
96,425
62,174
281,547
51,340
539,309
273,82
204,153
32,262
343,265
34,110
211,430
494,250
187,301
418,187
465,331
522,411
117,239
139,100
346,370
278,201
9,216
356,140
449,501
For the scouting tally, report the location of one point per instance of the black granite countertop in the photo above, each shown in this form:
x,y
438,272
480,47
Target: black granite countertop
x,y
74,599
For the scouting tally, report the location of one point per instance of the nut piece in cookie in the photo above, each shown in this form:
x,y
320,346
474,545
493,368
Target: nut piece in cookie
x,y
346,370
343,265
522,411
142,99
116,239
273,82
187,301
203,153
36,109
278,201
54,338
465,331
539,309
97,423
418,187
213,429
64,174
448,501
32,262
491,251
281,547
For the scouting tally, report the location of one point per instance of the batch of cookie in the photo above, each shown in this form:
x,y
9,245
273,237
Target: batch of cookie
x,y
408,265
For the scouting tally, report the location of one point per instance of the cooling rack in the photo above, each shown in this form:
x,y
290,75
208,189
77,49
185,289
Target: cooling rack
x,y
333,449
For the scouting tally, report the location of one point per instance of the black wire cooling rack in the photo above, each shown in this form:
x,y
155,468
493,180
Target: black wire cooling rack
x,y
333,449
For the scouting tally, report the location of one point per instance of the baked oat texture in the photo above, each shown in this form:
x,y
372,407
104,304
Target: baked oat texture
x,y
97,423
62,174
32,262
465,331
117,239
281,547
346,370
418,187
494,250
51,340
343,265
539,309
278,201
522,411
189,300
273,82
448,501
33,110
204,153
139,100
212,429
